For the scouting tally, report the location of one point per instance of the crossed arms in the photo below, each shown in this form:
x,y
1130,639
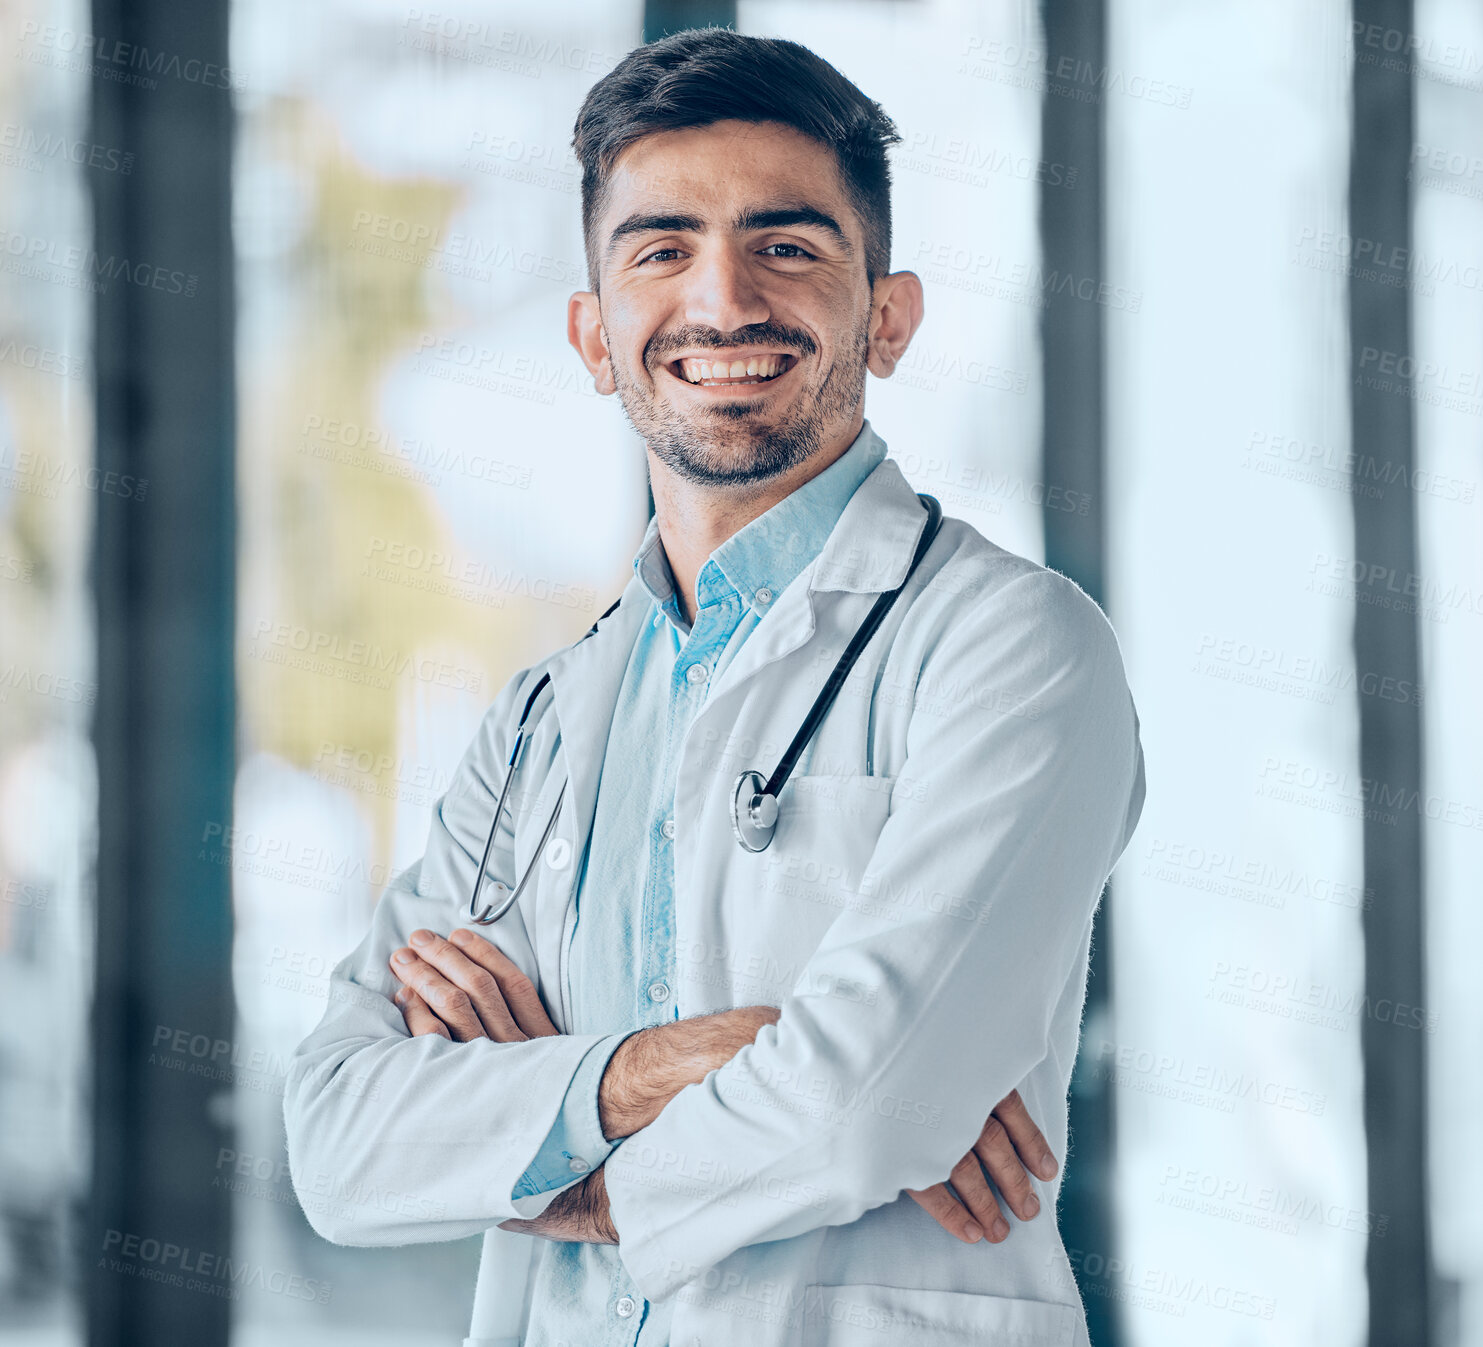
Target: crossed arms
x,y
465,988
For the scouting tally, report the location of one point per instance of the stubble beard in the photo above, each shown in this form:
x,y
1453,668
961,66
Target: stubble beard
x,y
718,447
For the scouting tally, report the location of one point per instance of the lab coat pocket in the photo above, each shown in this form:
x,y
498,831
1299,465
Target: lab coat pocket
x,y
855,1315
827,829
786,897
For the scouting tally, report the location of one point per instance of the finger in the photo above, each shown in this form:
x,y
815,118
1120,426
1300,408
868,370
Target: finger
x,y
998,1154
944,1208
1034,1150
519,991
475,981
448,1002
418,1015
971,1185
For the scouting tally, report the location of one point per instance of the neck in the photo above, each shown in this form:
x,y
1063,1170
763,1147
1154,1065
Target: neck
x,y
695,518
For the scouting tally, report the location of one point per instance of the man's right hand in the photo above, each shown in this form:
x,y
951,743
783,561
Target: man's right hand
x,y
652,1066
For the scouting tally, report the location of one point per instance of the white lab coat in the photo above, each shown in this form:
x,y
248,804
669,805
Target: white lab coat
x,y
922,916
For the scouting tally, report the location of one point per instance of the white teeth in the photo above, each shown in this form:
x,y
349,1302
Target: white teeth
x,y
754,367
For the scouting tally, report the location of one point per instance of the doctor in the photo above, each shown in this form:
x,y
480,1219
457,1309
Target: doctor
x,y
696,1093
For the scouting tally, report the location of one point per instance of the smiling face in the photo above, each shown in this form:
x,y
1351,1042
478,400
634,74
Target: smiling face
x,y
735,322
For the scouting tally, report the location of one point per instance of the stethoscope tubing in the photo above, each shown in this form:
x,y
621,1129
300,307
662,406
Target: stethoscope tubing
x,y
858,642
762,810
754,803
490,913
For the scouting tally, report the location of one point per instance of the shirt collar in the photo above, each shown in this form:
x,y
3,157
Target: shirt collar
x,y
768,552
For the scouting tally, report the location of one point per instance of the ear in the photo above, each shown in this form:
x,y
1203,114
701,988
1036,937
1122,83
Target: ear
x,y
585,332
896,313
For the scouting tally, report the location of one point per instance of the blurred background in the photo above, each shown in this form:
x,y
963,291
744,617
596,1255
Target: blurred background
x,y
297,468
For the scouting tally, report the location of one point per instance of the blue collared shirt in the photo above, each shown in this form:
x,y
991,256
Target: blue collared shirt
x,y
622,957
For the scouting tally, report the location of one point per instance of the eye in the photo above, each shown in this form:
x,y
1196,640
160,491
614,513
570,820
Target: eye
x,y
659,253
797,251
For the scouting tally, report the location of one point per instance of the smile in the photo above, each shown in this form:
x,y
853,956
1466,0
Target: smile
x,y
721,373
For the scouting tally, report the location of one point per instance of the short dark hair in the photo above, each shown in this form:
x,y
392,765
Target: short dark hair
x,y
705,75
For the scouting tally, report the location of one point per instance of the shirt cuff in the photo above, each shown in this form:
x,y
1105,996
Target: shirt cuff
x,y
575,1144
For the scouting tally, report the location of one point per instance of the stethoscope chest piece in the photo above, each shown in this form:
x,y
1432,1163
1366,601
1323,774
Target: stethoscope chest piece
x,y
754,813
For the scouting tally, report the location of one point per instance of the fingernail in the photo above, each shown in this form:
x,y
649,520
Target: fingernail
x,y
401,997
421,937
404,956
1032,1206
1047,1166
1001,1228
973,1232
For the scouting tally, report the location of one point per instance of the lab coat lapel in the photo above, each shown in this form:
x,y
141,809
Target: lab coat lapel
x,y
868,551
585,680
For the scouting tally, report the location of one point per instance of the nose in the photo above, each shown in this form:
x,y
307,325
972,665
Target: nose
x,y
722,292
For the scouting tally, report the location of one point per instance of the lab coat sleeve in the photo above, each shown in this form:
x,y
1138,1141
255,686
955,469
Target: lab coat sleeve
x,y
401,1140
967,924
577,1131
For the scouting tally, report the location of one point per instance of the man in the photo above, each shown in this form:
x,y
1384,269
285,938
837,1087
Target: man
x,y
691,1086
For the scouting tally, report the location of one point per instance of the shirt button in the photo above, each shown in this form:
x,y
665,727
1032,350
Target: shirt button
x,y
578,1165
668,827
625,1306
696,673
763,595
659,992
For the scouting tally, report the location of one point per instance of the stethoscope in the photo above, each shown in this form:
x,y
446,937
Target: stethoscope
x,y
754,802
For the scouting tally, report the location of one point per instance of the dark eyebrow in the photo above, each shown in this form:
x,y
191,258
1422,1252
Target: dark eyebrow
x,y
788,217
752,218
